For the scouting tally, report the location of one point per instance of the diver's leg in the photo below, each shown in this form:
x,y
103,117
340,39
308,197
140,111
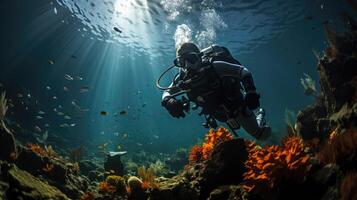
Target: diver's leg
x,y
254,125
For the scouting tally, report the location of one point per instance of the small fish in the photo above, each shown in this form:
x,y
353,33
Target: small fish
x,y
73,124
119,147
125,135
55,10
48,88
37,128
51,62
20,95
73,56
55,109
29,95
117,30
68,77
65,125
65,88
54,98
60,113
39,117
67,117
60,107
156,136
84,89
139,144
47,125
41,112
116,134
78,78
104,113
102,132
123,112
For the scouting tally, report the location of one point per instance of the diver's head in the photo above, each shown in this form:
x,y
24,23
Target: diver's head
x,y
188,57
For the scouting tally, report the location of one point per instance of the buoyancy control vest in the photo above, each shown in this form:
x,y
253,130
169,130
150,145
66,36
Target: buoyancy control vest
x,y
208,90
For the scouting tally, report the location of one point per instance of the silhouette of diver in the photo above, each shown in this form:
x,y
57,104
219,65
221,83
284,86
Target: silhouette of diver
x,y
213,80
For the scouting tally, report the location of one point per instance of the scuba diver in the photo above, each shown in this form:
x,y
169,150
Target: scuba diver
x,y
216,82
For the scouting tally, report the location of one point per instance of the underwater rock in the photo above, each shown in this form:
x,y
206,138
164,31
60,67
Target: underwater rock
x,y
225,167
27,156
307,120
8,149
346,117
114,163
227,192
327,175
337,73
176,188
95,175
23,185
3,188
86,166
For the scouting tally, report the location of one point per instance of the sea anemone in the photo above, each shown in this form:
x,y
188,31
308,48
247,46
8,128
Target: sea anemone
x,y
270,165
148,178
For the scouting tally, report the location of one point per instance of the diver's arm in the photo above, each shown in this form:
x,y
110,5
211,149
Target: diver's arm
x,y
166,94
239,72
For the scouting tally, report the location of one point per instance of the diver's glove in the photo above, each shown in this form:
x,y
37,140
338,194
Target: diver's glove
x,y
174,106
252,99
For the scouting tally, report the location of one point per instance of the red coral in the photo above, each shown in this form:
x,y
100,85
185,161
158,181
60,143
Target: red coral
x,y
268,166
212,139
106,188
36,149
195,154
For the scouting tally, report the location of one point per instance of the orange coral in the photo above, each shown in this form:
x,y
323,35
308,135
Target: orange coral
x,y
106,188
36,149
212,139
270,165
195,154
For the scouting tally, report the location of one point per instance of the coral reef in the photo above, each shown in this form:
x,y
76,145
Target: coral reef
x,y
148,178
212,139
113,185
269,166
341,150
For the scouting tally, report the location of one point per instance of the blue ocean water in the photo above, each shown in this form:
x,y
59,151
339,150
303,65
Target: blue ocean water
x,y
91,66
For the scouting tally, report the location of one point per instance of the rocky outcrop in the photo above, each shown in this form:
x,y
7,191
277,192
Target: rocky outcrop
x,y
8,149
23,185
224,167
338,81
113,162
